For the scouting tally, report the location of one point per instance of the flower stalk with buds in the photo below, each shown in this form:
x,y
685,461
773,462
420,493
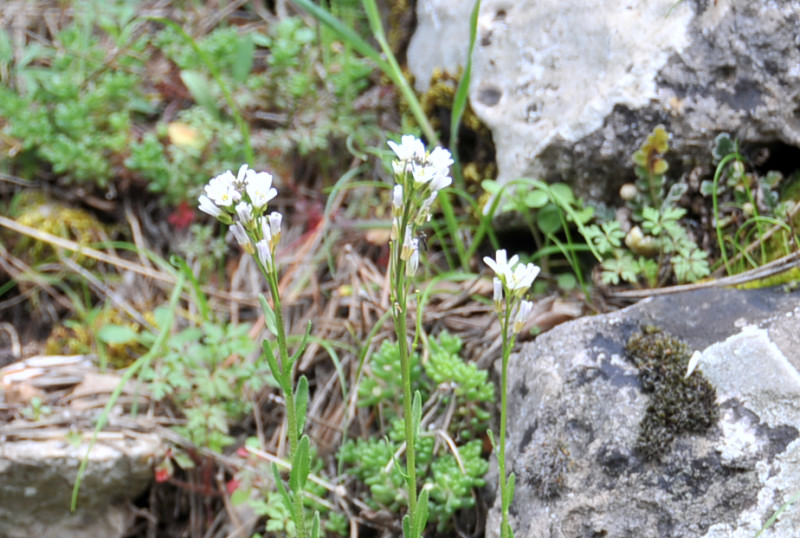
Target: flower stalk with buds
x,y
241,202
420,175
511,283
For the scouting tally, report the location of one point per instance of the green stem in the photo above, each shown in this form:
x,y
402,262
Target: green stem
x,y
501,458
405,367
287,372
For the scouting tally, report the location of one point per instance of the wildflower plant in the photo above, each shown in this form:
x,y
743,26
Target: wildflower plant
x,y
241,202
512,281
420,176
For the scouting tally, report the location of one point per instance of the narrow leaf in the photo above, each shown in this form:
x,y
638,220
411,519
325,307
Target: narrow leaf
x,y
421,515
116,334
200,88
243,61
287,501
272,361
301,403
300,467
315,526
269,314
303,344
416,415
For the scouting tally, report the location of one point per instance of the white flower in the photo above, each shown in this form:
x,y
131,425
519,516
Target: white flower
x,y
523,311
413,260
221,190
207,206
497,295
259,188
441,160
244,212
410,149
423,173
241,237
500,265
521,278
264,252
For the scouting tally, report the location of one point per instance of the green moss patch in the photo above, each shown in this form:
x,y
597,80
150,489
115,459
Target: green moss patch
x,y
677,404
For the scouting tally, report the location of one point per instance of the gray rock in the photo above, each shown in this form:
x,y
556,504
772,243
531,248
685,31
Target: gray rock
x,y
571,89
37,477
576,409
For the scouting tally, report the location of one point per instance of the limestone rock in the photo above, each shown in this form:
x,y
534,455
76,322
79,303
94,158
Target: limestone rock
x,y
37,476
570,89
576,409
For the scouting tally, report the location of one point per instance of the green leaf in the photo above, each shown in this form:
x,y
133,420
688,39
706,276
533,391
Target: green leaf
x,y
200,88
491,186
536,199
240,496
272,361
490,434
301,403
421,515
723,146
510,488
300,467
548,219
303,344
416,415
562,194
287,500
315,526
243,61
269,315
117,334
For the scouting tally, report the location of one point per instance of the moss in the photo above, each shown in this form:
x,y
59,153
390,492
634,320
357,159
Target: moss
x,y
678,404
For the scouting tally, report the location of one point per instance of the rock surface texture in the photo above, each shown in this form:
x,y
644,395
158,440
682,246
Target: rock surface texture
x,y
37,477
570,89
578,404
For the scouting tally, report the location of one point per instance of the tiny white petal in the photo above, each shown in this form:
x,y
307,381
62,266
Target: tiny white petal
x,y
693,362
208,206
440,181
440,159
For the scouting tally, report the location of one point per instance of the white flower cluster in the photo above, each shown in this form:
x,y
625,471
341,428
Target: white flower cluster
x,y
420,176
245,197
513,280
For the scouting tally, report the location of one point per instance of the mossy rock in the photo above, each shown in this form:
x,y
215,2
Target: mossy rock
x,y
678,404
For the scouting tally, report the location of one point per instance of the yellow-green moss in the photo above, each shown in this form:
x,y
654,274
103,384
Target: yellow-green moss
x,y
678,404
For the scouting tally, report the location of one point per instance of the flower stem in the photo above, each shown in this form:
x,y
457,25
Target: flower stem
x,y
405,368
287,371
505,502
